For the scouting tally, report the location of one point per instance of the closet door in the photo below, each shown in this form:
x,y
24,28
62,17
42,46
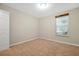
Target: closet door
x,y
4,30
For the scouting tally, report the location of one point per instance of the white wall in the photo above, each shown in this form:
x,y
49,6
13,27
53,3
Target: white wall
x,y
47,28
22,25
4,30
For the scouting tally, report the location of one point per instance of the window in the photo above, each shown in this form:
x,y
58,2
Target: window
x,y
62,24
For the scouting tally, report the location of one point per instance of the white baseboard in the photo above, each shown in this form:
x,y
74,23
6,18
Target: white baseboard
x,y
24,41
45,39
59,41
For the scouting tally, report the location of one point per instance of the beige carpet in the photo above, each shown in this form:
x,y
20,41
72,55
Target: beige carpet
x,y
41,47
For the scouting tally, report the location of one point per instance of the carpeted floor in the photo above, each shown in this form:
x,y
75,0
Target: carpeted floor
x,y
41,47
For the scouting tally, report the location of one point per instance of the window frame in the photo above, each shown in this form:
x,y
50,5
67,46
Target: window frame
x,y
65,14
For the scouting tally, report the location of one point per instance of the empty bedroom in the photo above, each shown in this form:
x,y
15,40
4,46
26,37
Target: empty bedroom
x,y
39,29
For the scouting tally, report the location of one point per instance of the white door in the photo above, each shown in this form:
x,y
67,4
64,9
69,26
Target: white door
x,y
4,30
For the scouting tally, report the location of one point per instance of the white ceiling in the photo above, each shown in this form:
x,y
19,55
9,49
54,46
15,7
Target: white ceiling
x,y
32,8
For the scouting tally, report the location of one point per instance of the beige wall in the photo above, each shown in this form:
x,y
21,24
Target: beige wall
x,y
47,28
22,26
